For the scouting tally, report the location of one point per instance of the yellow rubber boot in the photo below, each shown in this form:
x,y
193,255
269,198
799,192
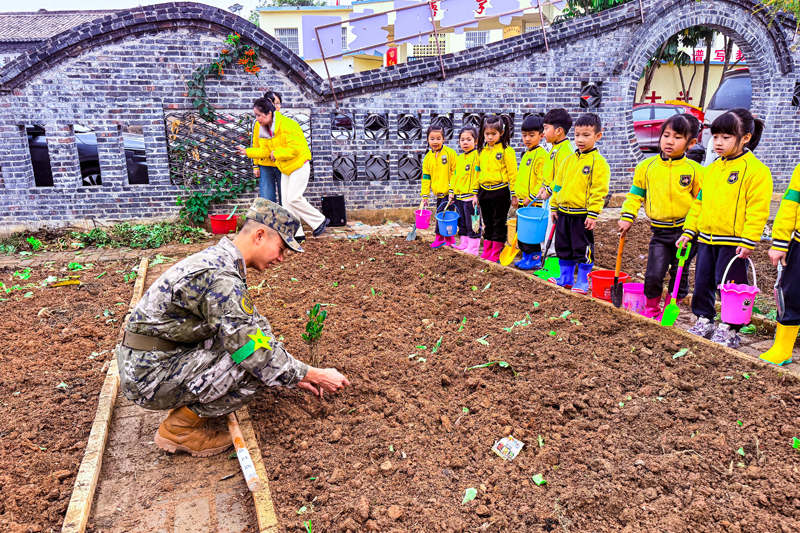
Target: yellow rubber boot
x,y
781,351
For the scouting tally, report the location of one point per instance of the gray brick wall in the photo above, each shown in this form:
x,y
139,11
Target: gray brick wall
x,y
128,69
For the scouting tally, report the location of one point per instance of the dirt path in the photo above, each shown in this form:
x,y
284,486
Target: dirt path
x,y
640,430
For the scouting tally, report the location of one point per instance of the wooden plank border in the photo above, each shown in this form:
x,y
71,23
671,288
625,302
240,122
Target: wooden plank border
x,y
80,503
265,510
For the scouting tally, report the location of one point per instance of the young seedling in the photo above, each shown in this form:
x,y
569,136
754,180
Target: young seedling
x,y
795,443
438,344
501,364
469,495
316,319
539,479
35,243
308,526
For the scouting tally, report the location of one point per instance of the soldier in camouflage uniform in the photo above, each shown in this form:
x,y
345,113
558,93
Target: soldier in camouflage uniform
x,y
195,343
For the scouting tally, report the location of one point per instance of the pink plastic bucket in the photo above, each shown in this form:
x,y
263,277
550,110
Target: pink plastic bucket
x,y
633,298
423,218
738,298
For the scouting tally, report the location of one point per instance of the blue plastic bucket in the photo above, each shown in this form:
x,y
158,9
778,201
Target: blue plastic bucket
x,y
532,224
448,222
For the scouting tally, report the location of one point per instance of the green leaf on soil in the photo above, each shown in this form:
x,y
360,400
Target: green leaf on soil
x,y
438,344
398,253
233,456
474,288
553,333
680,353
496,314
312,479
740,422
576,321
293,279
536,304
748,329
483,340
422,360
100,276
469,495
75,266
795,443
391,448
25,274
463,323
540,440
412,356
487,286
539,479
501,364
302,510
746,375
565,314
740,451
622,404
62,385
465,410
308,525
525,321
508,329
28,294
421,347
372,290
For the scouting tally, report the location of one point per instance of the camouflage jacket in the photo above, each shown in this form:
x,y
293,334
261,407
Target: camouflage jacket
x,y
205,298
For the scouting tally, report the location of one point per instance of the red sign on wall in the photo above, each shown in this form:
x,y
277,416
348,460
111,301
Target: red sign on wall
x,y
391,57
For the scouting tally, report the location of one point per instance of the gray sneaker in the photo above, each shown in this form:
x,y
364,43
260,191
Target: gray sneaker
x,y
726,336
702,328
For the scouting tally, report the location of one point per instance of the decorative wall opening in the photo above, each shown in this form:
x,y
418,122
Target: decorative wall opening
x,y
376,127
376,168
473,119
344,168
409,127
445,121
409,167
342,127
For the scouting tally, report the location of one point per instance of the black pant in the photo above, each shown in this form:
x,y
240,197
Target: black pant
x,y
712,260
529,248
494,210
465,211
790,282
573,241
439,203
662,256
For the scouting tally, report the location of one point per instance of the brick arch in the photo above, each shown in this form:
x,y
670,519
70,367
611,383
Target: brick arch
x,y
766,46
153,19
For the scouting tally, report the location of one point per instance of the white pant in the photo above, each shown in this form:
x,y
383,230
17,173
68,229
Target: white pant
x,y
292,189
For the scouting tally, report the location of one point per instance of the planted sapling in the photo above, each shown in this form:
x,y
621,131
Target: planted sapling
x,y
316,319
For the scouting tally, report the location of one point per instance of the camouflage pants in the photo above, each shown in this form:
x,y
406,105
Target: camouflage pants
x,y
204,379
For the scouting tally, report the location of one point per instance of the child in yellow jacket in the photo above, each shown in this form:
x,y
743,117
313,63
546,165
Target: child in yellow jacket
x,y
557,123
496,183
728,218
667,184
437,169
578,195
529,179
786,252
462,189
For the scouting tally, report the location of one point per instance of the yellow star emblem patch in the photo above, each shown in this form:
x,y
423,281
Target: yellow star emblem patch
x,y
261,340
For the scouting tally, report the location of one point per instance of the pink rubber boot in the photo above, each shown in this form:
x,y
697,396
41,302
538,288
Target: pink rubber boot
x,y
463,243
473,246
450,241
488,246
438,242
495,256
652,308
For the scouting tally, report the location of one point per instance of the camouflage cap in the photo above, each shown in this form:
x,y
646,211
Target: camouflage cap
x,y
276,217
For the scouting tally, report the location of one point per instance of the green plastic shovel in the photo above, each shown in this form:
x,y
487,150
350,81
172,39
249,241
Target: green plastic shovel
x,y
672,310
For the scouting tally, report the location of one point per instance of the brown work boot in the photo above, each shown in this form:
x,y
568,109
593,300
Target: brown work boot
x,y
184,430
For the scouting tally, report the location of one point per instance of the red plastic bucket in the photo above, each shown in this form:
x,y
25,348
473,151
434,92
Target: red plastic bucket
x,y
602,281
220,225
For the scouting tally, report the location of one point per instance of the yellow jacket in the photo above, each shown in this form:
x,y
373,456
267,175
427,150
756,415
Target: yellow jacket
x,y
288,144
437,169
558,154
529,175
465,179
582,184
733,204
262,161
787,221
667,187
498,168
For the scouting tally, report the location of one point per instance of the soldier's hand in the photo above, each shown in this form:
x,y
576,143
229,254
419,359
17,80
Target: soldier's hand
x,y
323,379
